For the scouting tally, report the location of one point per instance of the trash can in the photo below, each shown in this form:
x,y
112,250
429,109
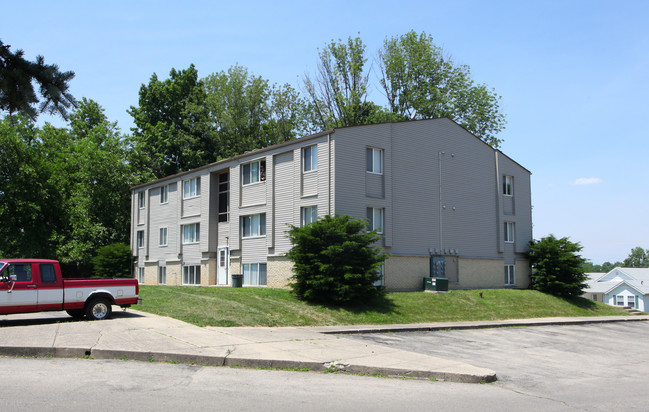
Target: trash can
x,y
237,280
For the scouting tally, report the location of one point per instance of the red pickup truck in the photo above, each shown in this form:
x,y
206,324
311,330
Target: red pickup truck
x,y
36,285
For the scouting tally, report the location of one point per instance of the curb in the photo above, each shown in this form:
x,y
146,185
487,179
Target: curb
x,y
481,325
202,360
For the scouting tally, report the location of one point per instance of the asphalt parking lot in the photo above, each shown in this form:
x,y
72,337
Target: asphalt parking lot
x,y
594,367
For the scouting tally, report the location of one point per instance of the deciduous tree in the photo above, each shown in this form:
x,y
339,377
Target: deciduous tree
x,y
421,82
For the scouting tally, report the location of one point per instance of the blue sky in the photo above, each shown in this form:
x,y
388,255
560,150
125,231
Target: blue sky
x,y
573,76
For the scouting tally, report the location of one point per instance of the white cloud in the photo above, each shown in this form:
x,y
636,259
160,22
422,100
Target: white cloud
x,y
587,181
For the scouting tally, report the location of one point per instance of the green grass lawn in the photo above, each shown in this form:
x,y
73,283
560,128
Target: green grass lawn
x,y
207,306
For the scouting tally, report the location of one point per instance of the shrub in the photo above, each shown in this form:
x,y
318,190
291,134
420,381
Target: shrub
x,y
113,260
335,261
557,269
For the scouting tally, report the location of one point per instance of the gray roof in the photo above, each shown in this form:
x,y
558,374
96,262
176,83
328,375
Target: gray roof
x,y
636,278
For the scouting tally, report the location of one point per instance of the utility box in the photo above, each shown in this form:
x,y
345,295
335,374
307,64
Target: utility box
x,y
436,284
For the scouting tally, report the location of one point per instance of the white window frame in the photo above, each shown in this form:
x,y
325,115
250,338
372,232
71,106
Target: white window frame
x,y
255,274
162,275
310,158
510,232
253,172
308,214
510,275
191,233
163,238
164,194
374,160
192,188
191,275
619,300
140,239
140,275
631,301
508,185
141,200
374,215
253,226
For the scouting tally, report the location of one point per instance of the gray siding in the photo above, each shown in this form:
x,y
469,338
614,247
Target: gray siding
x,y
441,188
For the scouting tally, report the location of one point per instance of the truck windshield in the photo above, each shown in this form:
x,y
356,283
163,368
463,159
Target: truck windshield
x,y
2,266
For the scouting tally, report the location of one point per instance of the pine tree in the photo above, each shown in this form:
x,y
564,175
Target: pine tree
x,y
17,77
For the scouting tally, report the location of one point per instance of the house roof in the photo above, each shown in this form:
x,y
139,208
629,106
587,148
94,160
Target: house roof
x,y
636,278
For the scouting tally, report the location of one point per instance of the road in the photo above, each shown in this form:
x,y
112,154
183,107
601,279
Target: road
x,y
98,385
586,367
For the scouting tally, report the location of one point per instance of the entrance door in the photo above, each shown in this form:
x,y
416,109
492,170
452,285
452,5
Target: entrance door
x,y
223,266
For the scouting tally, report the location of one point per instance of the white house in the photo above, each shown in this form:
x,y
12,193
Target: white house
x,y
620,287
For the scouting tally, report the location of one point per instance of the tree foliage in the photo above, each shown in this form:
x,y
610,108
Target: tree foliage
x,y
338,92
335,261
17,78
113,260
421,82
557,268
184,122
638,258
64,192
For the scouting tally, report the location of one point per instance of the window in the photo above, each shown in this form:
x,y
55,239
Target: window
x,y
254,225
310,158
253,172
224,196
140,200
309,215
191,275
162,275
630,301
254,274
23,271
619,300
163,236
510,275
508,185
192,188
140,275
374,160
140,238
48,273
191,233
375,219
381,281
509,232
164,194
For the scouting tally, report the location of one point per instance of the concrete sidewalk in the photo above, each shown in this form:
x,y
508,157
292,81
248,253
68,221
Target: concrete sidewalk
x,y
142,336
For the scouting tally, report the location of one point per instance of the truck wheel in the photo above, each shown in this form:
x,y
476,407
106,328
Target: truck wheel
x,y
76,313
98,309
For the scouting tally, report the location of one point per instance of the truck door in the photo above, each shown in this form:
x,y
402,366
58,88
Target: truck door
x,y
21,295
50,289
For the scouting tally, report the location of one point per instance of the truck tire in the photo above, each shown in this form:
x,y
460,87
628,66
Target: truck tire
x,y
98,309
76,313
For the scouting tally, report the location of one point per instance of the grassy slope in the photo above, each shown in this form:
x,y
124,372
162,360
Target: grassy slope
x,y
277,307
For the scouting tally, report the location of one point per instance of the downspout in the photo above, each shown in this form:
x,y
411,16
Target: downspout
x,y
441,237
330,200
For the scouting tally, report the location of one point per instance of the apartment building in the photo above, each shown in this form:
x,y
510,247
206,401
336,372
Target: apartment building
x,y
446,204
